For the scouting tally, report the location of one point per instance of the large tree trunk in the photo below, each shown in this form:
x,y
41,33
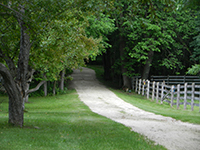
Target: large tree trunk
x,y
23,54
29,79
17,91
45,88
125,79
54,88
62,79
16,113
11,66
25,98
147,66
22,70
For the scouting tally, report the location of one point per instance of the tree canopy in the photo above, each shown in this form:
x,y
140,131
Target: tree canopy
x,y
43,36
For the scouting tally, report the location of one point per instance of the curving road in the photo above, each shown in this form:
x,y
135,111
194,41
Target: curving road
x,y
173,134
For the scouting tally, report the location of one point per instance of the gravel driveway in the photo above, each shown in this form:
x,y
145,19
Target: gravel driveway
x,y
173,134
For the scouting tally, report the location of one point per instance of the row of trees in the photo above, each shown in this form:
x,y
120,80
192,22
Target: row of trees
x,y
41,39
154,40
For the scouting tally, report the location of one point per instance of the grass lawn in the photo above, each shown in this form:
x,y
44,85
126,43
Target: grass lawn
x,y
63,122
151,106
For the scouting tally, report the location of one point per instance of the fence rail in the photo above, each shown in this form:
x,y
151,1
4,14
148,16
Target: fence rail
x,y
174,80
173,94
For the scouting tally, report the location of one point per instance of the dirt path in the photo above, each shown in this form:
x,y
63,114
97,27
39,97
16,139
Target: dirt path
x,y
174,135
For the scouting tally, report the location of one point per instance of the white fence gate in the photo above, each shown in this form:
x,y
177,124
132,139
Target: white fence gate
x,y
173,94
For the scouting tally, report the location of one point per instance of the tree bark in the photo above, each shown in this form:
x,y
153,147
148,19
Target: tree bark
x,y
11,66
62,79
22,66
16,112
45,88
54,88
25,98
147,65
23,54
29,77
17,90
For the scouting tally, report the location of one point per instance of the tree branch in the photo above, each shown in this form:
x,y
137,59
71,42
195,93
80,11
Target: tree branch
x,y
35,89
11,9
9,83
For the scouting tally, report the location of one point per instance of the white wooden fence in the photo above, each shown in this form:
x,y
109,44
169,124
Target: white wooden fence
x,y
172,94
175,80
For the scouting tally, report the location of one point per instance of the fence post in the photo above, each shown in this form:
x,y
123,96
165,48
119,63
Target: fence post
x,y
148,84
136,85
162,91
132,83
192,100
199,102
139,86
185,96
153,91
172,95
178,96
157,91
151,78
143,87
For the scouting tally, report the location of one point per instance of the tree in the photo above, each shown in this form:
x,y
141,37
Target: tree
x,y
18,87
15,97
33,24
100,27
195,44
124,13
65,45
195,69
167,37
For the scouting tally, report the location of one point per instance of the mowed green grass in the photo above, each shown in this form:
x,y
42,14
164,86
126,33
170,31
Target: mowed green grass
x,y
63,122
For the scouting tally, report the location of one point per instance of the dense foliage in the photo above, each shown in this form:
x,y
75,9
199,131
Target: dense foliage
x,y
164,41
42,38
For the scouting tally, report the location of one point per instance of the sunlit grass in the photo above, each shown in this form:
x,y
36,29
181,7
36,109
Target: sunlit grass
x,y
63,122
